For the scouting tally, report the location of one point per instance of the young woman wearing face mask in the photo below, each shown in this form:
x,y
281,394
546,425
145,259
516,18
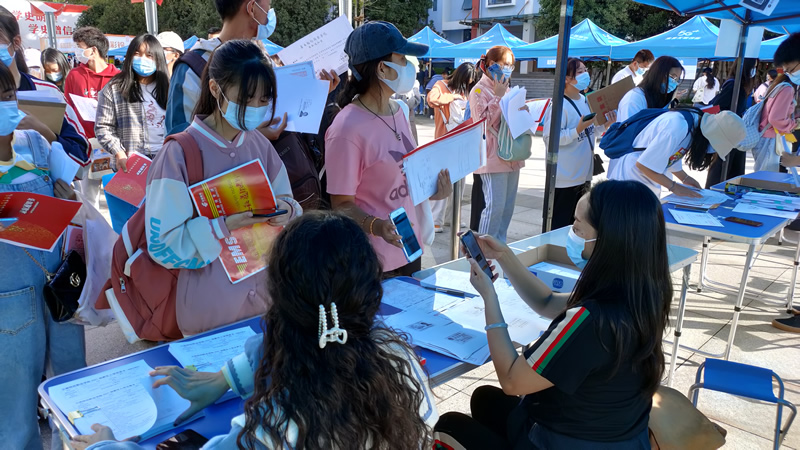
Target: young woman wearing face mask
x,y
55,67
668,139
656,90
499,178
588,381
576,145
761,92
31,343
368,138
238,92
131,108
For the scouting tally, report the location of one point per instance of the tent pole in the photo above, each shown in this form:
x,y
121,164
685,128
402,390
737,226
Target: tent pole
x,y
556,109
737,85
608,73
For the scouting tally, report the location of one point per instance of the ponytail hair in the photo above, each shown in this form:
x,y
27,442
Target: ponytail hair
x,y
367,77
709,77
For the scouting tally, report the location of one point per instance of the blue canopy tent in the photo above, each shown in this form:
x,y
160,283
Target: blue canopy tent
x,y
586,40
696,38
474,48
768,48
434,42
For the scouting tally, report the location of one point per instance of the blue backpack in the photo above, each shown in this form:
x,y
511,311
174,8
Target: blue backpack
x,y
618,140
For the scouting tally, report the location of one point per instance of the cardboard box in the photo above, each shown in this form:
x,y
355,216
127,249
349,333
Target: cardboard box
x,y
741,185
47,108
608,98
551,264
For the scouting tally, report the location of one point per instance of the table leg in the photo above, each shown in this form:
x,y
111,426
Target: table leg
x,y
703,263
740,299
679,324
790,299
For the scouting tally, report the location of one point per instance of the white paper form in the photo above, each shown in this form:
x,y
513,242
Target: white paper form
x,y
537,108
518,121
210,353
122,399
707,200
301,96
702,219
745,208
405,296
461,152
772,201
87,107
437,332
62,167
453,280
323,46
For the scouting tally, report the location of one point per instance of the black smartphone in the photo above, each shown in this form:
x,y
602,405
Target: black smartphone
x,y
269,213
474,252
588,117
185,440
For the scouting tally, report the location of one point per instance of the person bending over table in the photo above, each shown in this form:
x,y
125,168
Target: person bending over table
x,y
339,377
588,381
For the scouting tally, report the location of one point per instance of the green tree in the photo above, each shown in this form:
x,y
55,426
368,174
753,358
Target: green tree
x,y
114,17
409,16
623,18
297,18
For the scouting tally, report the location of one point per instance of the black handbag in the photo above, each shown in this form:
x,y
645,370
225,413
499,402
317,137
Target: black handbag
x,y
63,288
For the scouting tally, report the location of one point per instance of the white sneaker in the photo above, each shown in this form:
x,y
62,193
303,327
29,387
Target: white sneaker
x,y
438,229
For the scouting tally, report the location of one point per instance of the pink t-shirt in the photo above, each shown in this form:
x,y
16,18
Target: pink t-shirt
x,y
364,158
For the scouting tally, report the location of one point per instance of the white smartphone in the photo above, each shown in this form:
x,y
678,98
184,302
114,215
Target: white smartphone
x,y
411,246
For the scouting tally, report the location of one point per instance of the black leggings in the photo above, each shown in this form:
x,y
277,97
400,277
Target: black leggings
x,y
477,203
564,202
488,426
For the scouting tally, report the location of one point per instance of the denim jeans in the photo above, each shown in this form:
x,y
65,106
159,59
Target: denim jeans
x,y
500,193
30,341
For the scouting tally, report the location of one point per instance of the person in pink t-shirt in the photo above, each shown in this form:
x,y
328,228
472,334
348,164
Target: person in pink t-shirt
x,y
368,138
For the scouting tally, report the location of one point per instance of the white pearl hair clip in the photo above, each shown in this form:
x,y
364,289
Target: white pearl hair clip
x,y
334,334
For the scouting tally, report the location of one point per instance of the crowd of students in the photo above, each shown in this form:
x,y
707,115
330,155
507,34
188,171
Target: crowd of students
x,y
593,391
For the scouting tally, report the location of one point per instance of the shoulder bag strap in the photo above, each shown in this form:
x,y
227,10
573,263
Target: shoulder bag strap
x,y
580,116
191,154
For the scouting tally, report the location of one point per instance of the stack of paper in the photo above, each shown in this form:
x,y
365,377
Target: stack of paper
x,y
709,199
771,201
512,105
746,208
210,353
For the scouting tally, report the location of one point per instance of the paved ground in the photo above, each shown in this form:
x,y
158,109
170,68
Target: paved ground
x,y
749,423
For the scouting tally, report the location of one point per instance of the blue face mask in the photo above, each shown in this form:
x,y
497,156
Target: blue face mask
x,y
582,81
10,117
144,66
672,86
6,57
266,30
640,71
253,116
575,247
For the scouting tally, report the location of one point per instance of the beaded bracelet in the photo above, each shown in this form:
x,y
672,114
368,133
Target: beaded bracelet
x,y
371,224
364,220
495,325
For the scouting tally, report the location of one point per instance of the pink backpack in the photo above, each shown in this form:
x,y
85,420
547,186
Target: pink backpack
x,y
141,292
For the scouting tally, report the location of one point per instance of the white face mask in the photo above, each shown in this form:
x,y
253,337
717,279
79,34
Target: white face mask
x,y
405,77
82,58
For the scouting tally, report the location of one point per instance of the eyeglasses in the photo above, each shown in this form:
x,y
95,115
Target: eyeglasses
x,y
787,71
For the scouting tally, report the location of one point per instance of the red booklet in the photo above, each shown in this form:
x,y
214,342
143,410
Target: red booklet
x,y
130,186
41,219
241,189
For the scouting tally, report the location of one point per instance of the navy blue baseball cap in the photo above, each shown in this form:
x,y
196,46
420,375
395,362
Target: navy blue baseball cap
x,y
377,39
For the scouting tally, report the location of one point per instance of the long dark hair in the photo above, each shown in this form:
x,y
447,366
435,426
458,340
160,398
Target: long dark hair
x,y
709,77
241,63
697,157
353,86
343,395
656,79
127,81
628,275
747,80
6,79
9,28
51,55
463,79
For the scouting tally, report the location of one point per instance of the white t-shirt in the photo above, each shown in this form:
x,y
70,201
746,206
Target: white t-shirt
x,y
575,157
708,93
665,141
154,120
633,102
627,72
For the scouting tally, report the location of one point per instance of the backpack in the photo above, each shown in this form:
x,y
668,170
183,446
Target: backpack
x,y
510,149
752,120
457,109
141,292
618,140
293,149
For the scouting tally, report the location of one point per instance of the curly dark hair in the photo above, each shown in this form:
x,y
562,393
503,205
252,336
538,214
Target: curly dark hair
x,y
361,394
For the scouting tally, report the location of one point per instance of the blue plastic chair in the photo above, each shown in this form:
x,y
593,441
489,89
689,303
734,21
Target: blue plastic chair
x,y
744,381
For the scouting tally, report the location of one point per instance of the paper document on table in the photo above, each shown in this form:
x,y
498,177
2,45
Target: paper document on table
x,y
461,152
702,219
301,96
121,398
772,201
746,208
62,167
453,280
405,296
323,46
87,107
210,353
709,199
519,121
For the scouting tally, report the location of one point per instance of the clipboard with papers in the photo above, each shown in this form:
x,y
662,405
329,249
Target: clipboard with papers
x,y
462,151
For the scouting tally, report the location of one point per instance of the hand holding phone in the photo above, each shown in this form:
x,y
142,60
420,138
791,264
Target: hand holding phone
x,y
473,251
185,440
408,239
588,117
269,213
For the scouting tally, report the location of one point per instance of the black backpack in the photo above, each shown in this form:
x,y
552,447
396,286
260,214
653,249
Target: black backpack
x,y
294,149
